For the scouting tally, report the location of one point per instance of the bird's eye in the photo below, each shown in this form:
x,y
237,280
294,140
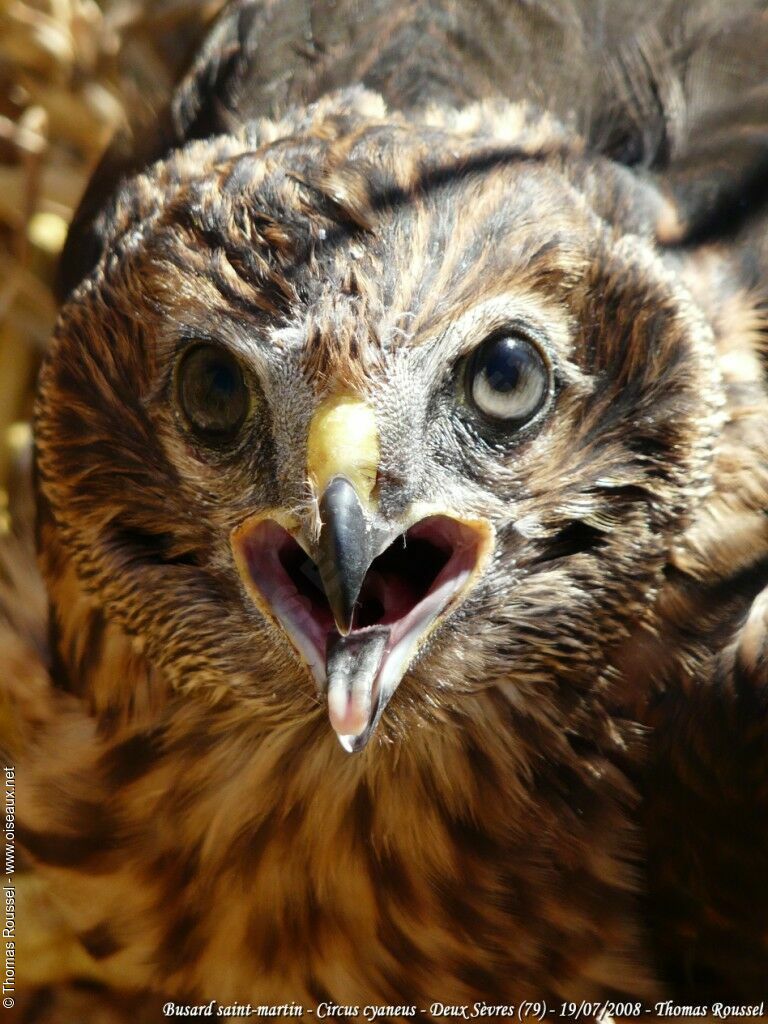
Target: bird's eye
x,y
508,378
212,392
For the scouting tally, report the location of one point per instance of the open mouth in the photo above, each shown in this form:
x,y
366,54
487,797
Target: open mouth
x,y
407,589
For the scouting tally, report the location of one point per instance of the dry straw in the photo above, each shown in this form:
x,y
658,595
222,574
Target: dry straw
x,y
72,72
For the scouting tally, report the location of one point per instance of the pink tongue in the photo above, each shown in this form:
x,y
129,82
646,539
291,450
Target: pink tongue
x,y
352,665
349,712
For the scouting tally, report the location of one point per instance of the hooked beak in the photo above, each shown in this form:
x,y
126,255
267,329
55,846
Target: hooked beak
x,y
345,549
360,612
360,602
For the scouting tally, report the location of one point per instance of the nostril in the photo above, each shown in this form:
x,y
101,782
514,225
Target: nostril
x,y
386,478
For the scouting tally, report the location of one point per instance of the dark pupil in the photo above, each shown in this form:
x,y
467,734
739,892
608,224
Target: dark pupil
x,y
213,392
221,386
505,364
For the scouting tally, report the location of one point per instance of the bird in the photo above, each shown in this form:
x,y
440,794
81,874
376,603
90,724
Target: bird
x,y
400,482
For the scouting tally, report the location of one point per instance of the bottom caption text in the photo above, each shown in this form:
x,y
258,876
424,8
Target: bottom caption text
x,y
539,1010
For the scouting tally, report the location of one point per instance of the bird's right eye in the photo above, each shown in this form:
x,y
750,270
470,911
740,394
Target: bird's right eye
x,y
212,392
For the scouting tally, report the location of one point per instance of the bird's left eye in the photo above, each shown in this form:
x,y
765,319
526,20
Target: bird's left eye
x,y
212,392
508,378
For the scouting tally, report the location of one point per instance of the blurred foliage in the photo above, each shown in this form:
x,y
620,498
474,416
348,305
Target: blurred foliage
x,y
72,72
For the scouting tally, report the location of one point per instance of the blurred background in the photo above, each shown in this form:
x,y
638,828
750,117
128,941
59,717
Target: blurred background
x,y
72,73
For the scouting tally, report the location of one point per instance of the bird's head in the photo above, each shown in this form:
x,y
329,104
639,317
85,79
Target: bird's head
x,y
354,405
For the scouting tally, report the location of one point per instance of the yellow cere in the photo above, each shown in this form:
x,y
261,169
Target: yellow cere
x,y
344,441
